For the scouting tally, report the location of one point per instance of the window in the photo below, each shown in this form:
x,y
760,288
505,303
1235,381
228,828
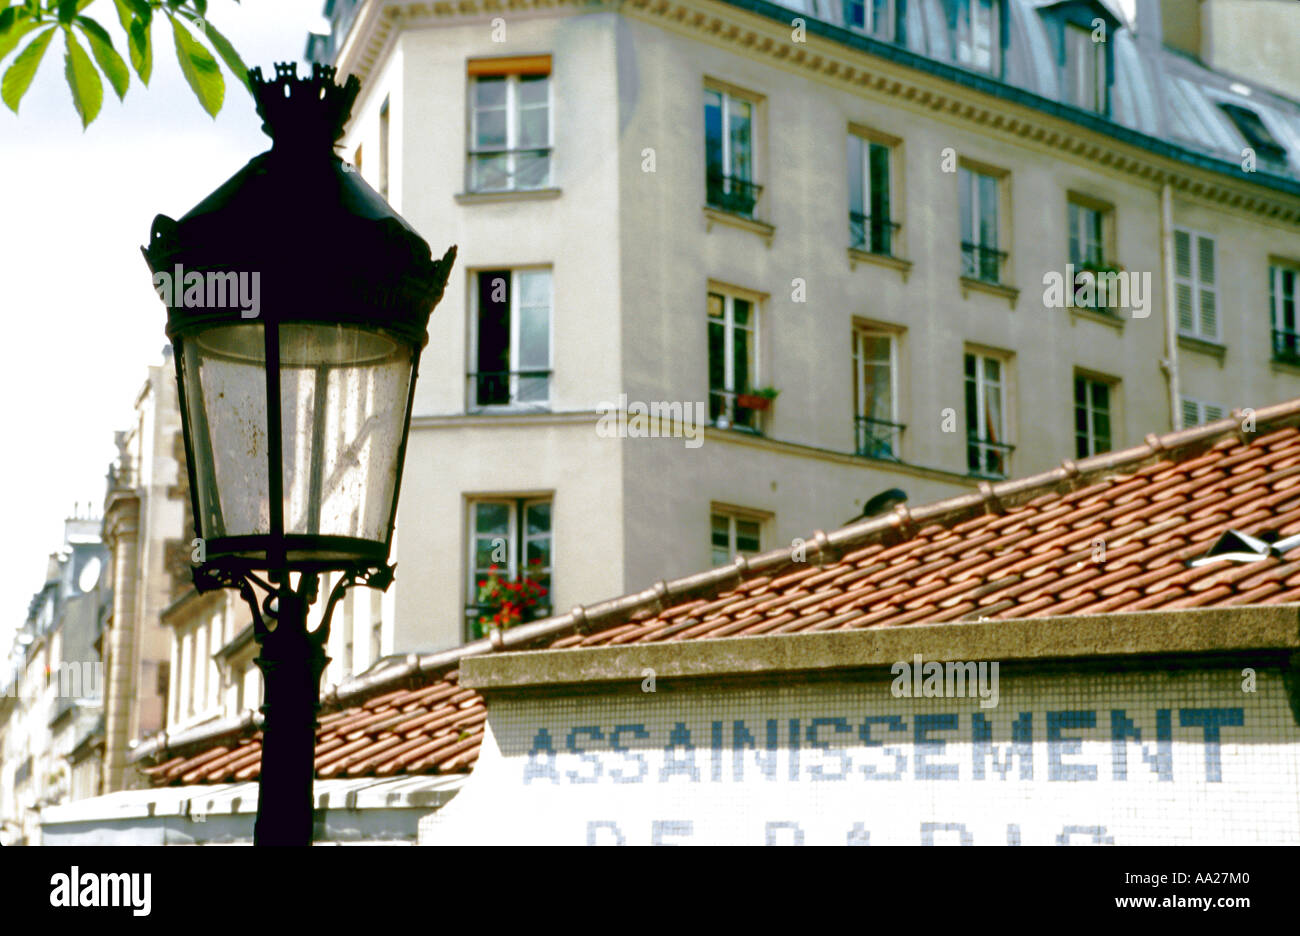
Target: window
x,y
1257,136
376,636
729,152
383,149
874,395
1194,285
977,34
732,360
1085,63
871,228
1087,236
348,656
978,194
733,535
512,351
869,16
1198,412
510,124
1282,301
1091,416
512,536
986,450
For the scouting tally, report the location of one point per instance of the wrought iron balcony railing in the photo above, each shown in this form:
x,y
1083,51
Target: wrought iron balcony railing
x,y
508,388
987,458
878,438
1286,345
981,262
729,193
874,235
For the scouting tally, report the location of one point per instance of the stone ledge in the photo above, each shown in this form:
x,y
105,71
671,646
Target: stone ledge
x,y
857,256
1212,348
714,216
1010,293
1134,634
481,198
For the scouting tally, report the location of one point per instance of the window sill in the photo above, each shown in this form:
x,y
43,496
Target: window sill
x,y
714,216
479,198
1285,366
1009,293
1212,348
857,256
1092,315
508,409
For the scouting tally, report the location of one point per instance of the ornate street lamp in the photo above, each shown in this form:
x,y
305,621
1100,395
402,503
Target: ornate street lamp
x,y
297,306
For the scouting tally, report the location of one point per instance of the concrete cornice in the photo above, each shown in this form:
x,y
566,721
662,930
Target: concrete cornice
x,y
836,56
1156,635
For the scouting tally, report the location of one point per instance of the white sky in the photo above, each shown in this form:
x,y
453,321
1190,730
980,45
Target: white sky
x,y
75,295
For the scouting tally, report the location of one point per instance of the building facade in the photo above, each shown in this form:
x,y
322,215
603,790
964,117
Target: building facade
x,y
52,689
866,243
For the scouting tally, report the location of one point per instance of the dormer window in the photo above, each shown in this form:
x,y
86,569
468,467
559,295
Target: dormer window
x,y
869,16
1085,69
977,34
1257,135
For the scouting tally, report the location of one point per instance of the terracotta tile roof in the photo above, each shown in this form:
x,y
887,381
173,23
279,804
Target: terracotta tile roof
x,y
1022,548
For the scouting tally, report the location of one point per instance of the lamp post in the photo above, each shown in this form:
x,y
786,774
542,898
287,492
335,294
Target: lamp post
x,y
297,306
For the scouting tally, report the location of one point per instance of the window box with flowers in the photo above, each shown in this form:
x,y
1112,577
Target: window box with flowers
x,y
502,603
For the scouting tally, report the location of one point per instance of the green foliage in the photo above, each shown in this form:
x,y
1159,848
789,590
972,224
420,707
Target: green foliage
x,y
39,19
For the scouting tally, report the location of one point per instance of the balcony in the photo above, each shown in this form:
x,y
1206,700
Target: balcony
x,y
872,235
509,388
877,438
982,263
988,459
734,195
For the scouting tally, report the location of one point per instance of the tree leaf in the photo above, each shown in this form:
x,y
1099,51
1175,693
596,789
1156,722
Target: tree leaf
x,y
200,69
142,10
140,46
110,63
227,53
18,77
9,38
83,79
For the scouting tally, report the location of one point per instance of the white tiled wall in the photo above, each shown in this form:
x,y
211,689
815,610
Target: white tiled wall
x,y
1122,758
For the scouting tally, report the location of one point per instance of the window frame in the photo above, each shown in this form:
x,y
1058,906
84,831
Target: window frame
x,y
728,93
517,539
980,445
964,21
1285,339
860,170
730,391
1073,66
869,25
1090,439
979,249
471,401
511,148
385,130
860,331
734,516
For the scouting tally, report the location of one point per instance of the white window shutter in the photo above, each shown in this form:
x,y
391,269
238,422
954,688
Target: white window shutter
x,y
1183,288
1191,413
1213,412
1209,307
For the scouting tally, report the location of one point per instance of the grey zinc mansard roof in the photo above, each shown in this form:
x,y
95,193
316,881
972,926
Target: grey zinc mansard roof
x,y
1156,91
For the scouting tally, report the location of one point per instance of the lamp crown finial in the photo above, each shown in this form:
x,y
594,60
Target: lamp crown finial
x,y
301,112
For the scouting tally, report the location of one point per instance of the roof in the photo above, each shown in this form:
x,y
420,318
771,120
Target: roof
x,y
1105,534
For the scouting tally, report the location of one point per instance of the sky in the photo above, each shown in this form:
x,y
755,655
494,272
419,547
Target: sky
x,y
75,295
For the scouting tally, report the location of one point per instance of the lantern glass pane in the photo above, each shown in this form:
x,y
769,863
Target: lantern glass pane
x,y
225,390
344,392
